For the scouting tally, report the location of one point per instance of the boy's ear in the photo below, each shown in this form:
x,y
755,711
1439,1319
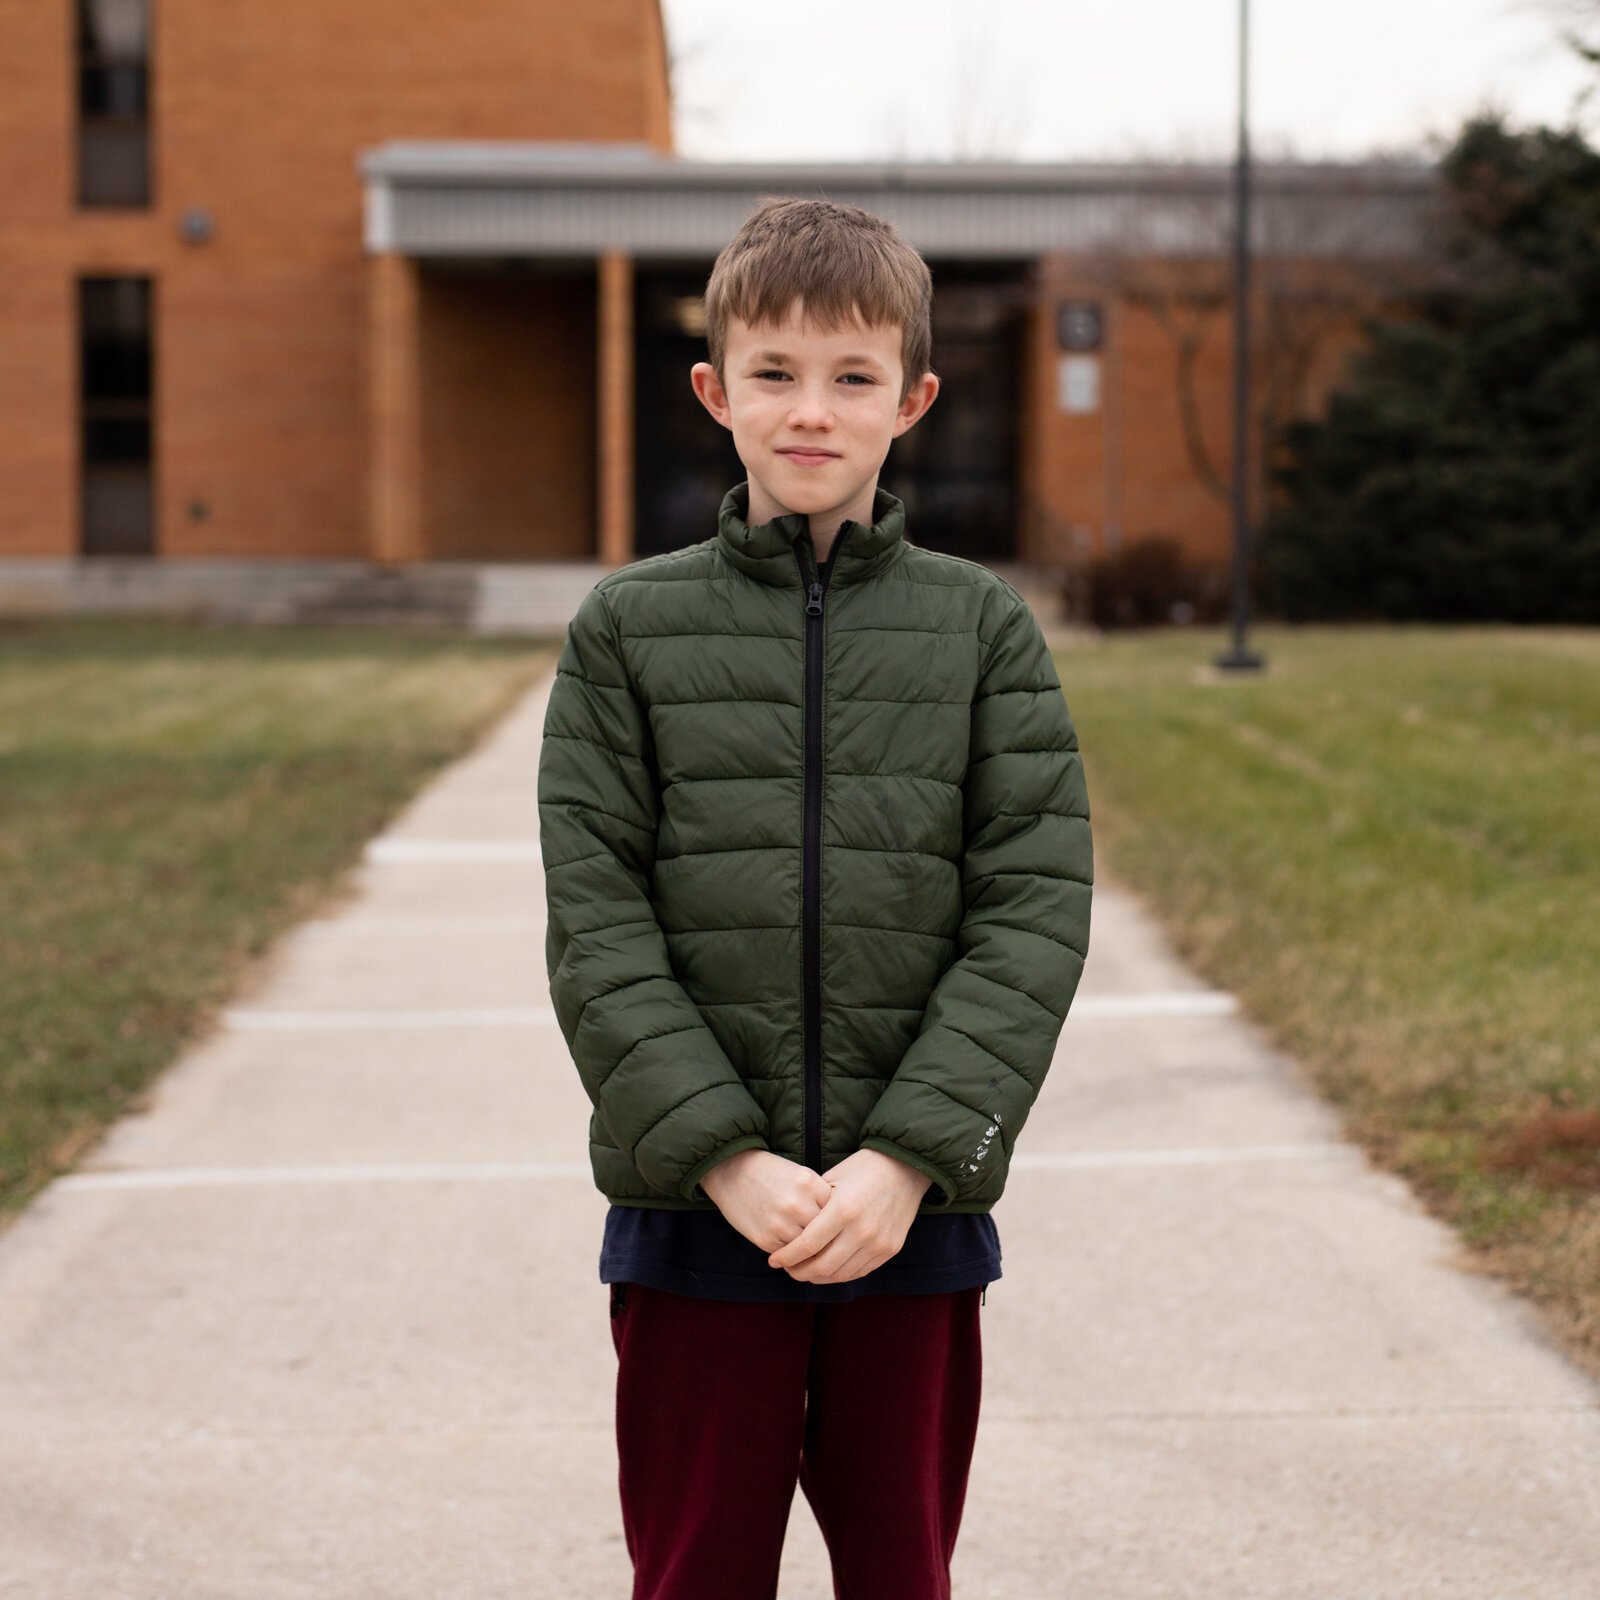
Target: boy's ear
x,y
707,385
917,402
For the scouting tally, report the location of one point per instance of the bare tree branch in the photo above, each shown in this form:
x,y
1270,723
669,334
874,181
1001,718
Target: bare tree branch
x,y
1318,265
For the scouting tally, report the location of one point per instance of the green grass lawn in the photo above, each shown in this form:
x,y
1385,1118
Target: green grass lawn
x,y
172,796
1388,846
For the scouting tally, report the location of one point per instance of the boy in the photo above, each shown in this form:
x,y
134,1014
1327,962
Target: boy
x,y
818,870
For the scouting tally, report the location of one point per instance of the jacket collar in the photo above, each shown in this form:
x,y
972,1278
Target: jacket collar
x,y
766,551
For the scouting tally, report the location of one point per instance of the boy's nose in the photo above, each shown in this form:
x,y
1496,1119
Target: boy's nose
x,y
810,408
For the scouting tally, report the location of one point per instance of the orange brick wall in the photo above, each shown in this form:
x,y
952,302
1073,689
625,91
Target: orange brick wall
x,y
259,110
508,442
1075,472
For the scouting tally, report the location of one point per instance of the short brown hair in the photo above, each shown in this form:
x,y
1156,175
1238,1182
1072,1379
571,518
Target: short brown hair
x,y
839,260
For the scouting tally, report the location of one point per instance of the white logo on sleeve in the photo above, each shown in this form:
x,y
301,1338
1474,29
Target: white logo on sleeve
x,y
983,1144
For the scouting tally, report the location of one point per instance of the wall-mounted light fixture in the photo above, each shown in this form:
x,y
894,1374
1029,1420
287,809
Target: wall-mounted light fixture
x,y
197,226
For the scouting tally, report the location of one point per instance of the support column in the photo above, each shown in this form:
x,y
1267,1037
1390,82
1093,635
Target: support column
x,y
614,360
1038,538
394,379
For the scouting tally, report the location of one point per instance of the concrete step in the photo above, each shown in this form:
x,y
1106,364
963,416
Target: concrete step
x,y
495,597
423,593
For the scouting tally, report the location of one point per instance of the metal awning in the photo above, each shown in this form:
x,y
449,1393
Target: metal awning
x,y
498,198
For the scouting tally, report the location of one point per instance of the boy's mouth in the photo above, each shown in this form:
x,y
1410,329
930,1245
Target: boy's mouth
x,y
809,458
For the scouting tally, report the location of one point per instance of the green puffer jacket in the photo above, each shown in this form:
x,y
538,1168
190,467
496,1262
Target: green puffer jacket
x,y
817,859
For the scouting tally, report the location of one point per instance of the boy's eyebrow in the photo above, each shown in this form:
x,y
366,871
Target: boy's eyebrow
x,y
854,360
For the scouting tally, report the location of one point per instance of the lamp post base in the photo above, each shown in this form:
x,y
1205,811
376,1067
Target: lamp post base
x,y
1239,658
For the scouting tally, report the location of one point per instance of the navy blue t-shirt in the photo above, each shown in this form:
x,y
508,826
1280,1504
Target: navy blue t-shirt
x,y
701,1253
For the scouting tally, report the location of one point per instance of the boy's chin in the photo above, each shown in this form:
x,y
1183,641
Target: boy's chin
x,y
803,491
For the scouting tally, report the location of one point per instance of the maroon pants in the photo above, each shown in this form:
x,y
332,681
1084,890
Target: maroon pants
x,y
721,1404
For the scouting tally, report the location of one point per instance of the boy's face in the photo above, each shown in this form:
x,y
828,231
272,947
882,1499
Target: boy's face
x,y
812,414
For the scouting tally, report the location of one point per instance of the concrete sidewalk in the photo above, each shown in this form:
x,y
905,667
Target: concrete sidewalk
x,y
326,1320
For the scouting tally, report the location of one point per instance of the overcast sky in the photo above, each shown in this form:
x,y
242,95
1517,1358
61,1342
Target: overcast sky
x,y
1065,80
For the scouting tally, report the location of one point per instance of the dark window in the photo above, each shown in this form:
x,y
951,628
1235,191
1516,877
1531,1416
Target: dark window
x,y
113,102
684,462
957,468
114,341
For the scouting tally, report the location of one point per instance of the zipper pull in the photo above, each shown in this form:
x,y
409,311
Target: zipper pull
x,y
814,599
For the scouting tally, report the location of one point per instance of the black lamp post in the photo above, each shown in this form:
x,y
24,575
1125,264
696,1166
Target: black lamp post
x,y
1239,657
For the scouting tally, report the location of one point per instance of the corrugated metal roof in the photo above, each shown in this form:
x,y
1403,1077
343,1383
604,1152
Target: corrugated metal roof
x,y
556,199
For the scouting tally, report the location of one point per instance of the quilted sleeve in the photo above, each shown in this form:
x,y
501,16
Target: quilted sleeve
x,y
989,1032
664,1090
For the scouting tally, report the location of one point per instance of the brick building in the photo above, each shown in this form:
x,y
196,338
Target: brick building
x,y
331,281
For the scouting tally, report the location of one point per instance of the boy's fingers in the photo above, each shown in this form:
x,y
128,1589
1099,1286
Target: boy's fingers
x,y
805,1244
855,1264
819,1231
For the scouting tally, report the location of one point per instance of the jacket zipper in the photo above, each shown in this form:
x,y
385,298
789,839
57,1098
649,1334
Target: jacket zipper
x,y
815,585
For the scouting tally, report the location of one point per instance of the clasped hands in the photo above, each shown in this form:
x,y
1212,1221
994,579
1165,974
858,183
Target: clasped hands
x,y
819,1229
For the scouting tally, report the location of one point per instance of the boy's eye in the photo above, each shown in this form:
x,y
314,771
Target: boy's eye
x,y
773,373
